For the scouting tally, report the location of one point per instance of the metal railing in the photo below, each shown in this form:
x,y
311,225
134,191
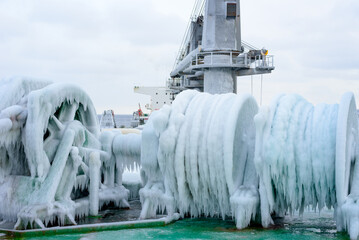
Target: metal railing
x,y
231,58
264,62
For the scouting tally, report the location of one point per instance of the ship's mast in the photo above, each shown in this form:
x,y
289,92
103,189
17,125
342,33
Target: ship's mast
x,y
221,35
214,54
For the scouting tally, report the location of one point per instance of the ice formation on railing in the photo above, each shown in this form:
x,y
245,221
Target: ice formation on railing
x,y
197,156
306,156
51,156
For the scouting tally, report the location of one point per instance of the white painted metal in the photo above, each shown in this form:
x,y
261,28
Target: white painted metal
x,y
160,96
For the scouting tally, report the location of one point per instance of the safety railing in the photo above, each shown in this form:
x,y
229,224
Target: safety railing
x,y
264,62
230,58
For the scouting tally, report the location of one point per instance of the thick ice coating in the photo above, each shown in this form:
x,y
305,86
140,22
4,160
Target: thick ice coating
x,y
305,156
206,154
347,168
197,156
51,155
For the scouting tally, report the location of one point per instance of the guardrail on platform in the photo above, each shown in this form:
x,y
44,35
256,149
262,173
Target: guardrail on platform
x,y
264,62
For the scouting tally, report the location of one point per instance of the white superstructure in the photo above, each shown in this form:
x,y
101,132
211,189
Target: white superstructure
x,y
160,96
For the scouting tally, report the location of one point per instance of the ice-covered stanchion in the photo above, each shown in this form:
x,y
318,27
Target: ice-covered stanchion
x,y
306,157
197,156
94,167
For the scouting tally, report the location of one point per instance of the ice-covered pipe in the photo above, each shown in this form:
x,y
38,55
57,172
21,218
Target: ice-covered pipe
x,y
127,150
204,156
108,160
305,155
95,165
120,151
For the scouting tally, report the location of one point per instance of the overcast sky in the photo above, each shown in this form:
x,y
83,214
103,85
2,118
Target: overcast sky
x,y
110,46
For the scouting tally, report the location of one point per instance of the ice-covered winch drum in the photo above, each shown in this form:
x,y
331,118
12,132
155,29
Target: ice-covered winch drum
x,y
307,156
51,158
198,157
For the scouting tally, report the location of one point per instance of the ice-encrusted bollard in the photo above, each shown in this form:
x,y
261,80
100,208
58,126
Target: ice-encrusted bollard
x,y
307,156
198,158
94,168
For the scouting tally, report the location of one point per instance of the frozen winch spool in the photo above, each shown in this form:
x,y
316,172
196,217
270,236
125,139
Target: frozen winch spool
x,y
306,156
197,157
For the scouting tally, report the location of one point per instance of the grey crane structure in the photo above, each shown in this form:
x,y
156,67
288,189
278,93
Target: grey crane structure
x,y
213,54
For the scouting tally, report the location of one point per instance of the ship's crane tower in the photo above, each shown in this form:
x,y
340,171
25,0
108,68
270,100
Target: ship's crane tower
x,y
212,53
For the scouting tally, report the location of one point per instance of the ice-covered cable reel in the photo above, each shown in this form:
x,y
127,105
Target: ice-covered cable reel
x,y
305,154
205,149
346,147
347,167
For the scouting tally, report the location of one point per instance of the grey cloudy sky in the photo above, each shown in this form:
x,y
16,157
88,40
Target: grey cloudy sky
x,y
110,46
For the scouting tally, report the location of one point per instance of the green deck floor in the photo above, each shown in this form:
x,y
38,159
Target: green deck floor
x,y
311,226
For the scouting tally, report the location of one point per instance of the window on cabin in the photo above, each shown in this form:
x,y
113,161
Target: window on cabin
x,y
231,10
